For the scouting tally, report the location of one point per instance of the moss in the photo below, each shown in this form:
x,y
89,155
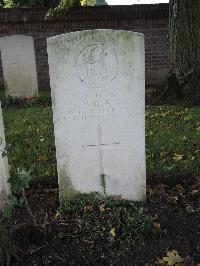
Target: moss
x,y
67,190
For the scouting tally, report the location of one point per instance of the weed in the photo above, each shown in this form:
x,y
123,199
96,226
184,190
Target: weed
x,y
99,216
19,182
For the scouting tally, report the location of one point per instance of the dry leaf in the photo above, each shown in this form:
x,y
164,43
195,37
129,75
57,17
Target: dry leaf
x,y
157,226
160,261
177,157
173,258
113,232
102,208
173,200
57,216
88,208
194,191
189,209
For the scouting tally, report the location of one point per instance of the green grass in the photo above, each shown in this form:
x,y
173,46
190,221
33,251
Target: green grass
x,y
172,141
30,131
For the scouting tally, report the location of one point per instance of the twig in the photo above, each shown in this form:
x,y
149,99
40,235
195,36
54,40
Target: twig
x,y
59,258
88,241
37,249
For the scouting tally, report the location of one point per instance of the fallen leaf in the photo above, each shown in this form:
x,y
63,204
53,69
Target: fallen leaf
x,y
157,226
160,261
189,209
113,232
88,208
173,258
194,191
177,157
57,216
102,208
173,200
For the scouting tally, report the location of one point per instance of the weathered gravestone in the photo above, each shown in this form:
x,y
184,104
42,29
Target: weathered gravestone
x,y
19,66
4,173
97,82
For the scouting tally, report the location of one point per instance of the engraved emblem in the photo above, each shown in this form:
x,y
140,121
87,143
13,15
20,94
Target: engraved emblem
x,y
97,65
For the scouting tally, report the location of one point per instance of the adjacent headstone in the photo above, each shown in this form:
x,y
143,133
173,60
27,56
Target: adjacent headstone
x,y
19,66
4,172
98,97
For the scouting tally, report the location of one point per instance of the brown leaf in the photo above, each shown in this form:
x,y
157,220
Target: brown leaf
x,y
173,200
157,226
160,261
88,208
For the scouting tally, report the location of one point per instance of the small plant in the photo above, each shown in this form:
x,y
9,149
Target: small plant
x,y
19,181
108,216
18,184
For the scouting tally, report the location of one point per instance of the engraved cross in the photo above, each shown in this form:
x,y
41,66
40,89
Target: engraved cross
x,y
101,146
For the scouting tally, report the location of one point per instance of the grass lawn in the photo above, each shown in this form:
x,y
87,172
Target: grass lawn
x,y
172,142
30,131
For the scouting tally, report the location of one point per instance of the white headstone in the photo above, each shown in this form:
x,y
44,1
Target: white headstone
x,y
19,66
4,173
98,95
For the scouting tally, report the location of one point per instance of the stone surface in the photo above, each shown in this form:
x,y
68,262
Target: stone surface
x,y
98,95
4,173
19,66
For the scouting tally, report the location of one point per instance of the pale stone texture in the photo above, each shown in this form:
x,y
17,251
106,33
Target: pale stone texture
x,y
97,82
19,66
4,172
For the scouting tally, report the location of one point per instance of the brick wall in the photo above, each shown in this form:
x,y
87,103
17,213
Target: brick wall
x,y
152,20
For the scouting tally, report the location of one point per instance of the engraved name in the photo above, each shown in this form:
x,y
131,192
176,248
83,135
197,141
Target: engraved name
x,y
99,107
